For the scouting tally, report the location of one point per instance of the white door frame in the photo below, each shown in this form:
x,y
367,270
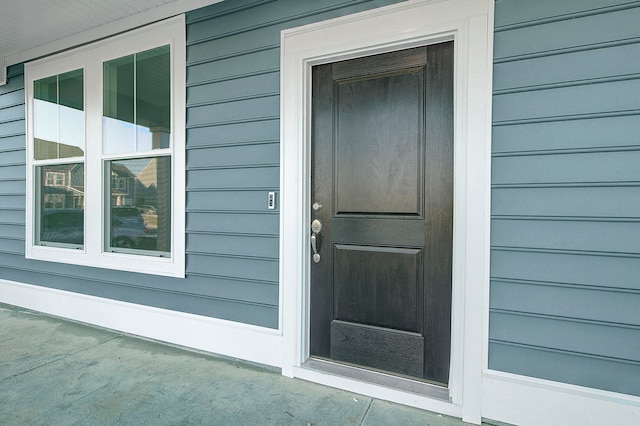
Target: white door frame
x,y
416,22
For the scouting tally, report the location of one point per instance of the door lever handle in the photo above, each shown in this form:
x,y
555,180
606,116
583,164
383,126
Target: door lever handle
x,y
316,226
316,255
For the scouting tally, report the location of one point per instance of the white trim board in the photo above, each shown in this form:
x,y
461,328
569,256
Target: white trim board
x,y
250,343
3,71
470,24
527,401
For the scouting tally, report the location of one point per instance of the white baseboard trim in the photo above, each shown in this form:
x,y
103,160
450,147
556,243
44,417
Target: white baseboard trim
x,y
379,392
236,340
527,401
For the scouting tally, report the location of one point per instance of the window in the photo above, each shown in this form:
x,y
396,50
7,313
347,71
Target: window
x,y
106,162
55,179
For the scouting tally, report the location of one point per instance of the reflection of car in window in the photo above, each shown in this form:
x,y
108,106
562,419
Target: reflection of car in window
x,y
126,212
150,210
127,227
66,226
63,226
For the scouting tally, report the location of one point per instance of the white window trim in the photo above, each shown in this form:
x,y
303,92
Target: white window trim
x,y
470,24
90,58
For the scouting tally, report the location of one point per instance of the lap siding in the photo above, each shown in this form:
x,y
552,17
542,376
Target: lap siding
x,y
564,258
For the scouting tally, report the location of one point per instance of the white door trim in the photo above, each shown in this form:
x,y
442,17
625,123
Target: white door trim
x,y
470,24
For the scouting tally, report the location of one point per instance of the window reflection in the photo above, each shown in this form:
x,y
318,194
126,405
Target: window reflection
x,y
61,190
140,200
58,110
137,102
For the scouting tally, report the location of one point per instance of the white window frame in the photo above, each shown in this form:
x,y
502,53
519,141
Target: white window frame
x,y
90,58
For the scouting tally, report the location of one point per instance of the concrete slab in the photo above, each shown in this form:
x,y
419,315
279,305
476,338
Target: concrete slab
x,y
54,372
41,340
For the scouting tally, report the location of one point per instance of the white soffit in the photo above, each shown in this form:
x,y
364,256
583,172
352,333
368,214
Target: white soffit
x,y
33,28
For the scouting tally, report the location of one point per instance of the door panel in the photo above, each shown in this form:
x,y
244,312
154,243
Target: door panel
x,y
382,181
378,286
376,347
390,130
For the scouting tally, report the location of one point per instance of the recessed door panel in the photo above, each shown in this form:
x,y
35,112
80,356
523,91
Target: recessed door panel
x,y
378,148
378,348
378,286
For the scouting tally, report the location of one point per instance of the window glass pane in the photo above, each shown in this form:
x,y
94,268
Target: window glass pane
x,y
58,111
119,89
153,100
118,105
71,89
140,201
46,89
61,209
137,102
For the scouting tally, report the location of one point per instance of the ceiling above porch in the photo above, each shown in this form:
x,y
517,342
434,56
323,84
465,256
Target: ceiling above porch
x,y
33,28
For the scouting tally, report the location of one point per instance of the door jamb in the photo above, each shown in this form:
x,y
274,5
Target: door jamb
x,y
470,24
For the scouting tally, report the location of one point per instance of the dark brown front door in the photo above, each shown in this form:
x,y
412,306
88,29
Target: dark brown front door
x,y
382,190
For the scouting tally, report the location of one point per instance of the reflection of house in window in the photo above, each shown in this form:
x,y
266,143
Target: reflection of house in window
x,y
55,179
54,201
122,191
119,183
63,186
148,179
134,184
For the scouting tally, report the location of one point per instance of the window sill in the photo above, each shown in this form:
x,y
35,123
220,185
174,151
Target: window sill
x,y
152,265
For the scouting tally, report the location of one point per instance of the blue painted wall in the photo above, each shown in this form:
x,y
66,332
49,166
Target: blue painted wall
x,y
565,257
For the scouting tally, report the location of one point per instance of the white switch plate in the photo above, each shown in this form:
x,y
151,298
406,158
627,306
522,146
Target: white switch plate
x,y
271,201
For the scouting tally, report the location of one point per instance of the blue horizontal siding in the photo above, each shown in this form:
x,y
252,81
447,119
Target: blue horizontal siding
x,y
604,166
242,155
559,300
237,178
565,259
262,246
221,201
12,167
585,134
587,202
567,69
582,32
237,223
597,372
511,13
593,337
546,266
256,86
567,102
569,234
234,133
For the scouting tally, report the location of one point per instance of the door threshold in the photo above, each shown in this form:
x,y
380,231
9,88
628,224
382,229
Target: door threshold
x,y
426,389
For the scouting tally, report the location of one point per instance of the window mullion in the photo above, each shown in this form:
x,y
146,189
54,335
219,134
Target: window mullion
x,y
59,120
135,99
94,210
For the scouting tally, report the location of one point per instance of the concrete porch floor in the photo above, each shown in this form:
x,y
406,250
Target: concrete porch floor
x,y
56,372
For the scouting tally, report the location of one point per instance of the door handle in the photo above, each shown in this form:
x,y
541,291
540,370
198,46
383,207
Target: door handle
x,y
316,227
